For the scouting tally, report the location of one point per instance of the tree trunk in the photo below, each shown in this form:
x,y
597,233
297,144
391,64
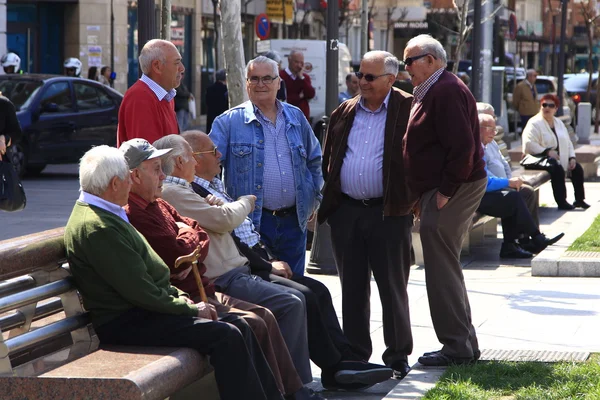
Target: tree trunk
x,y
231,32
463,32
165,22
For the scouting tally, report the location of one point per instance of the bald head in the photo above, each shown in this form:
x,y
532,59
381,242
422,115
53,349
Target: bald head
x,y
207,158
296,62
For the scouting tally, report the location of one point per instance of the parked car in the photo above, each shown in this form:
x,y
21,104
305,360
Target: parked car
x,y
576,88
61,118
544,84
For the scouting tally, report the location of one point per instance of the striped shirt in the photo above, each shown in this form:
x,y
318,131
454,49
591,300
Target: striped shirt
x,y
420,91
245,231
278,178
362,169
158,90
177,181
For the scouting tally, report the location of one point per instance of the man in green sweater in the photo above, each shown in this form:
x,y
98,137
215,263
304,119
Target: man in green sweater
x,y
125,284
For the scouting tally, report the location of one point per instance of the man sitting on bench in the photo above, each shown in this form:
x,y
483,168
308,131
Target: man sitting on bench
x,y
125,285
502,199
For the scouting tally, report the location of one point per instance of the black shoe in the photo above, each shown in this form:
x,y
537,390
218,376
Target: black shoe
x,y
540,242
401,369
512,250
354,375
566,206
476,354
581,204
305,394
439,359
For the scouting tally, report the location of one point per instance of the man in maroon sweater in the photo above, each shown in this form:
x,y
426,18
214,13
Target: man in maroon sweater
x,y
148,108
444,166
297,83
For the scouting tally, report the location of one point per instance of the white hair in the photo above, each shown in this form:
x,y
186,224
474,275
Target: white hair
x,y
483,108
485,117
263,60
180,148
99,166
390,62
531,72
428,44
152,50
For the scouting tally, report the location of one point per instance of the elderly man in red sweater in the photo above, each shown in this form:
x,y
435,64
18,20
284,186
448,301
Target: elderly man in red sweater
x,y
443,160
148,108
297,83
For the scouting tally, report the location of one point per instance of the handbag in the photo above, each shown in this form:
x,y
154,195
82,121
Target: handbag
x,y
12,194
535,162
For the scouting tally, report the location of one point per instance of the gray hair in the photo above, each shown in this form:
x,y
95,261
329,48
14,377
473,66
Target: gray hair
x,y
99,166
390,62
531,72
273,55
485,108
152,50
429,45
263,60
484,117
180,148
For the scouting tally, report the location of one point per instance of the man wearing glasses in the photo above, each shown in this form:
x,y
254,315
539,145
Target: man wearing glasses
x,y
369,208
444,163
269,150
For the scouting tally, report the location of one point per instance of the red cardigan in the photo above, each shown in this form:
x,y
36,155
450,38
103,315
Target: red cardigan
x,y
442,147
141,115
296,86
157,221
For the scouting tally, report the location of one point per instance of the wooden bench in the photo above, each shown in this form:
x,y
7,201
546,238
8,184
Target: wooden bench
x,y
482,225
588,155
48,347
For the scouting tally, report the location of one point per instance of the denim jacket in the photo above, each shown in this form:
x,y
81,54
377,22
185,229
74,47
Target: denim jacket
x,y
240,138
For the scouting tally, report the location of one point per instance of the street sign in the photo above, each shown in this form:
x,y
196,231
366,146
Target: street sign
x,y
262,46
275,11
512,26
262,26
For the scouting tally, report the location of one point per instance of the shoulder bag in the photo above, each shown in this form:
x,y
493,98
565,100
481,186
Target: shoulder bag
x,y
12,194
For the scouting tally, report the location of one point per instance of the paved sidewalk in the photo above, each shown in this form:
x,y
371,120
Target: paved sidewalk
x,y
511,309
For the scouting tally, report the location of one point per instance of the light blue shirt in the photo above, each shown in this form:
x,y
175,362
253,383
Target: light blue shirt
x,y
362,170
99,202
158,90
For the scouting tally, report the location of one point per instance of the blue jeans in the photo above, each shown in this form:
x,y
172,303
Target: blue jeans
x,y
286,239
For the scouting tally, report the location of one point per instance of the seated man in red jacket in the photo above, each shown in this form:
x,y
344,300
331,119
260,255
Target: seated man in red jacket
x,y
172,236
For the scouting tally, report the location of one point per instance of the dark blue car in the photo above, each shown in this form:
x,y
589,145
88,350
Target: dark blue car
x,y
61,118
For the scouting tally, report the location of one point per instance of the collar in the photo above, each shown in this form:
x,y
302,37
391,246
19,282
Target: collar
x,y
382,107
105,205
138,200
290,73
259,113
159,91
421,90
177,181
528,83
250,114
201,181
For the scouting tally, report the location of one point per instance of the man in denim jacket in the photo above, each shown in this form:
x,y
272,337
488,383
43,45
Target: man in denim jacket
x,y
269,150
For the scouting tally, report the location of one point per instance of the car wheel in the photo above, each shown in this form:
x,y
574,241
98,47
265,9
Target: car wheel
x,y
18,158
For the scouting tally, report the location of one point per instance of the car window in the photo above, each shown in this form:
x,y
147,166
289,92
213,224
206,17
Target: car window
x,y
544,86
105,99
86,96
19,92
59,94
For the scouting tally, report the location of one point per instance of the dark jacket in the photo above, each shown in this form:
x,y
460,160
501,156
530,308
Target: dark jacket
x,y
9,124
182,98
442,144
217,102
397,199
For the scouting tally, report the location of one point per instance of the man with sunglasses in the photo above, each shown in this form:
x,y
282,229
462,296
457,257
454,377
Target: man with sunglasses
x,y
269,150
443,158
368,207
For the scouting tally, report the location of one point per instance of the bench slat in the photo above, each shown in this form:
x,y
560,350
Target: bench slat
x,y
34,295
17,319
11,286
32,338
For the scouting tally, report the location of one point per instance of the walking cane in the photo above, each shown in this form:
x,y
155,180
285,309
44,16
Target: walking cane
x,y
193,258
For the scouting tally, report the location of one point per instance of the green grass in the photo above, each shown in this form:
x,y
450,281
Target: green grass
x,y
590,240
498,380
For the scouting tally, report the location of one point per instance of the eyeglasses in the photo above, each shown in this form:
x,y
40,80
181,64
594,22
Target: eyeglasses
x,y
214,151
409,60
548,105
490,128
267,79
368,77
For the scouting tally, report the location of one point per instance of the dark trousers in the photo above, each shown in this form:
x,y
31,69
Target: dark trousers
x,y
365,242
524,120
241,370
510,206
327,343
442,234
559,187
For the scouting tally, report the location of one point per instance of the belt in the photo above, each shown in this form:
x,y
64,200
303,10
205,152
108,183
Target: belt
x,y
364,202
282,212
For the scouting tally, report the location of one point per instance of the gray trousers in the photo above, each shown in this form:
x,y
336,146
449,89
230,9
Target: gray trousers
x,y
285,303
528,194
363,241
442,234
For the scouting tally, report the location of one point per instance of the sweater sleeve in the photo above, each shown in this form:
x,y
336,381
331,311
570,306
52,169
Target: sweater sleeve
x,y
126,272
307,88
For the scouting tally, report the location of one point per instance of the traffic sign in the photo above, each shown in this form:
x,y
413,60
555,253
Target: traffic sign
x,y
262,26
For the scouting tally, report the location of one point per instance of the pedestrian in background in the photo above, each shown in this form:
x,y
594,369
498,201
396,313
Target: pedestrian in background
x,y
217,101
182,106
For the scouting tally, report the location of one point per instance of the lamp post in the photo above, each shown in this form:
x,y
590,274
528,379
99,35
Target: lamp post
x,y
146,24
561,56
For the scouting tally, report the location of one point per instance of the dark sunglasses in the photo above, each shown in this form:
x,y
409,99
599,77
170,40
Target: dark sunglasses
x,y
409,60
368,77
549,105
